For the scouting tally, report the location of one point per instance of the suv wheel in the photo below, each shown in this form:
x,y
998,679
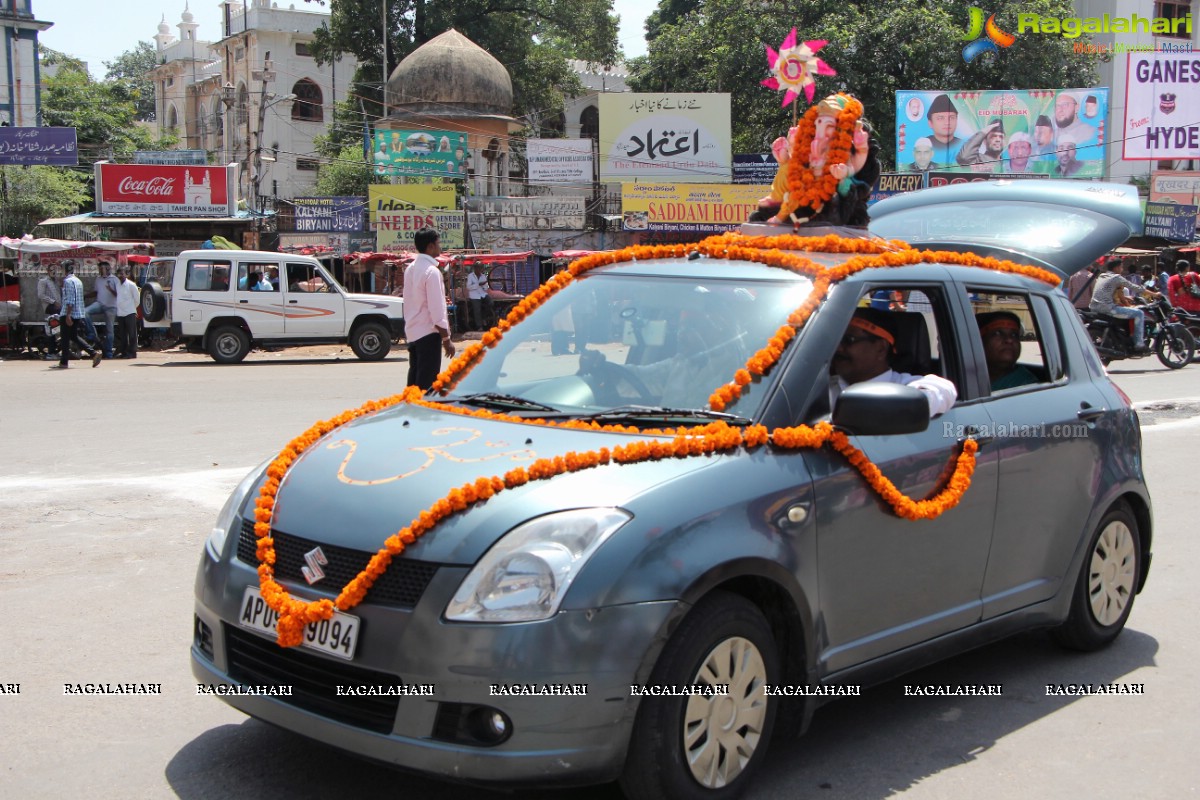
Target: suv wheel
x,y
1107,584
371,342
228,344
153,302
706,746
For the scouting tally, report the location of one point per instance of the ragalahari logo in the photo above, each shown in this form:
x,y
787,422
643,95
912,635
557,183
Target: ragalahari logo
x,y
976,28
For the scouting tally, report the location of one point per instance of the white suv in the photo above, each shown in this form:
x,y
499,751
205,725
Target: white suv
x,y
224,301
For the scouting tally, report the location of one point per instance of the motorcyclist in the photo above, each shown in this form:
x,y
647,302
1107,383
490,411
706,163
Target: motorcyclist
x,y
1104,301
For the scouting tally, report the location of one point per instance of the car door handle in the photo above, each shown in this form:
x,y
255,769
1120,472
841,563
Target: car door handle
x,y
293,302
243,302
980,435
1088,413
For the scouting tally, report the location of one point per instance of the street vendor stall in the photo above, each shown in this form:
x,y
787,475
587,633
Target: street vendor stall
x,y
34,255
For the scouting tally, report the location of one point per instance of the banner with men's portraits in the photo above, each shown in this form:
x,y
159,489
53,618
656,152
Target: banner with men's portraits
x,y
1059,133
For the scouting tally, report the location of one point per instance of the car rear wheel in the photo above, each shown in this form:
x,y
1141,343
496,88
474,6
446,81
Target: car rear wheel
x,y
371,341
1175,347
228,344
706,745
1107,584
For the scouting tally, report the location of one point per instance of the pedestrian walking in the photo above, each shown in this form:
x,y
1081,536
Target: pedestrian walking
x,y
71,321
127,306
49,295
425,319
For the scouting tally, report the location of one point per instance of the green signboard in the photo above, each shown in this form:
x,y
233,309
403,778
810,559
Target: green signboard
x,y
427,153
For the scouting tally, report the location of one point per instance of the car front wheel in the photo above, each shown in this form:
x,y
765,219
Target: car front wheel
x,y
228,345
706,745
1107,584
371,341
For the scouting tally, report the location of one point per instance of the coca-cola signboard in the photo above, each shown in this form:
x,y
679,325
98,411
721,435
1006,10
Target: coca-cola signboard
x,y
161,190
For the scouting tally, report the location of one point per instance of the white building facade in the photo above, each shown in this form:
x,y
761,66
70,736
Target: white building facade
x,y
255,96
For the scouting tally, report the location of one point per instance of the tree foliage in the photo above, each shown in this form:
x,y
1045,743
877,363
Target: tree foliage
x,y
718,46
129,75
101,112
29,195
533,39
347,174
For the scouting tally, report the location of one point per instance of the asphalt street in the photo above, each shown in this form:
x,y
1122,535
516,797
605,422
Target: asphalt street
x,y
110,479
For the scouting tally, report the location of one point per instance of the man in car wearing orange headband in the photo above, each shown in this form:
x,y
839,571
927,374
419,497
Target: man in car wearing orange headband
x,y
864,352
1001,334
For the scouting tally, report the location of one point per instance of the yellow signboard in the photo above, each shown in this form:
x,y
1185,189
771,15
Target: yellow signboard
x,y
409,197
396,229
688,207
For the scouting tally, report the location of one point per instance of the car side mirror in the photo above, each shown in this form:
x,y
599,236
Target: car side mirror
x,y
881,409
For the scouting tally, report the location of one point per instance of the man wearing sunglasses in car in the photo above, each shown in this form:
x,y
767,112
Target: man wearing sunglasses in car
x,y
864,354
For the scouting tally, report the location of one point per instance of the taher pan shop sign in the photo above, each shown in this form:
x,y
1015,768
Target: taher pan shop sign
x,y
1170,221
50,146
162,190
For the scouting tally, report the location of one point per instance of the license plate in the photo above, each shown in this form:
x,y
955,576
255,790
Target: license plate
x,y
337,636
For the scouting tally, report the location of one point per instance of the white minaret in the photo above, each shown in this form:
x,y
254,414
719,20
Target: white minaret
x,y
164,36
187,25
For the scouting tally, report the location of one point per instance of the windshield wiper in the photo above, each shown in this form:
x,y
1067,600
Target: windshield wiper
x,y
501,400
654,413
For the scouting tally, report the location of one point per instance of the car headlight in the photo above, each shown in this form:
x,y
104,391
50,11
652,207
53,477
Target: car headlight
x,y
526,574
220,532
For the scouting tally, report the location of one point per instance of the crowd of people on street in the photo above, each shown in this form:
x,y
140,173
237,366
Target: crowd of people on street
x,y
115,304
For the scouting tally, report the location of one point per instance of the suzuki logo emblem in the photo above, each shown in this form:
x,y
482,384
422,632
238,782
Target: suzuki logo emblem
x,y
315,560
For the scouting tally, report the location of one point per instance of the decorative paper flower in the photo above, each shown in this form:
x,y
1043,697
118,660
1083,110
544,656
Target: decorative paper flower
x,y
793,67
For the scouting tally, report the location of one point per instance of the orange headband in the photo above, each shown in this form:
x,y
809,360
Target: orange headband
x,y
873,329
996,324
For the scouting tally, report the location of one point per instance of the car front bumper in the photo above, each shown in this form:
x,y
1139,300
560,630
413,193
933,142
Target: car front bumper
x,y
555,738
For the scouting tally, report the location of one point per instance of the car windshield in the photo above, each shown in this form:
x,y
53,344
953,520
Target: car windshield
x,y
623,341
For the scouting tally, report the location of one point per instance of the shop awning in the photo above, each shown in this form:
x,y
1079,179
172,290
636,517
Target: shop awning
x,y
91,218
59,245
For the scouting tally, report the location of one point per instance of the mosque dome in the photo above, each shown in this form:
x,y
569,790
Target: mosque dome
x,y
163,27
450,76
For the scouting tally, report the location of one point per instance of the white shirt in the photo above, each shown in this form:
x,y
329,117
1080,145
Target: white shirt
x,y
424,298
128,297
477,286
941,392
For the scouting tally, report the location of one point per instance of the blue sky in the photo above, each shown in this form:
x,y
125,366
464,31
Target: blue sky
x,y
84,30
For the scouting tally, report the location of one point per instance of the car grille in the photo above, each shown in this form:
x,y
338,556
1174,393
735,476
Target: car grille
x,y
400,586
255,661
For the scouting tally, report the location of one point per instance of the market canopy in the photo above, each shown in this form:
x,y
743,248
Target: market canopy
x,y
31,245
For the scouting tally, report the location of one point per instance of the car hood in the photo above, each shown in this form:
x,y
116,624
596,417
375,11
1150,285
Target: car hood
x,y
370,478
1064,224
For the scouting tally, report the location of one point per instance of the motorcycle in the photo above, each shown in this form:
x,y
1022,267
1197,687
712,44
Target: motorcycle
x,y
1171,341
1191,321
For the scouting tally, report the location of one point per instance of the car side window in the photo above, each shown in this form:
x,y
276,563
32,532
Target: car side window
x,y
305,278
1017,350
251,277
923,336
207,275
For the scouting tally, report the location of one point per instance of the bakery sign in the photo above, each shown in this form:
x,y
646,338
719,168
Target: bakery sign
x,y
162,190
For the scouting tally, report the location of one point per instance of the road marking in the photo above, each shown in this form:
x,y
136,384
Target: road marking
x,y
206,487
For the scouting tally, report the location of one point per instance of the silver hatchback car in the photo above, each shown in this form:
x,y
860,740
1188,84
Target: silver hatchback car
x,y
666,508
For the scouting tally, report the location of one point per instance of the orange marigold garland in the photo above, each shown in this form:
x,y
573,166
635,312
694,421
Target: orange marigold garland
x,y
715,437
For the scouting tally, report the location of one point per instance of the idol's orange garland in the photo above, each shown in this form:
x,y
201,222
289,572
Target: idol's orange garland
x,y
716,437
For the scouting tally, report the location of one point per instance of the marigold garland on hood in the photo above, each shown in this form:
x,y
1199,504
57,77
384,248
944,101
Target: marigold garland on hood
x,y
716,437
